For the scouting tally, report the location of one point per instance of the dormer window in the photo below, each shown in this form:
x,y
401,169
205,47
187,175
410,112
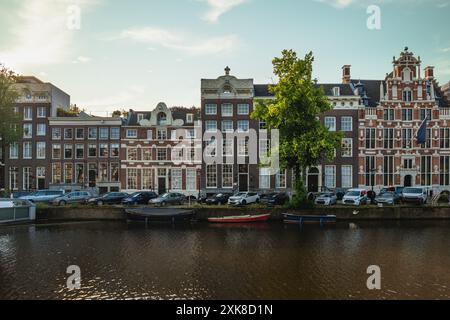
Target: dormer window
x,y
162,119
336,91
190,118
140,117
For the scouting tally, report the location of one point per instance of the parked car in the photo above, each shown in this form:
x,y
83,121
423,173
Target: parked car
x,y
397,190
43,196
12,203
355,197
388,197
417,195
313,195
202,199
169,198
218,199
20,194
274,199
326,199
109,198
73,197
244,198
139,198
340,193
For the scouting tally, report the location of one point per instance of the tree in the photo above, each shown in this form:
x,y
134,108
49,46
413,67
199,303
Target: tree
x,y
295,111
74,111
10,129
120,113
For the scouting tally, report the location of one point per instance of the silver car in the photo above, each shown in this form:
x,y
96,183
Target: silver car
x,y
43,196
73,197
326,199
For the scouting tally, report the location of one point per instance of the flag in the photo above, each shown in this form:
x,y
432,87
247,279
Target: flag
x,y
422,133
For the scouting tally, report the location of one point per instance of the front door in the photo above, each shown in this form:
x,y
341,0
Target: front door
x,y
243,182
408,181
41,183
162,188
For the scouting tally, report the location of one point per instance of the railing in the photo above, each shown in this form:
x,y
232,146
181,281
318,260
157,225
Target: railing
x,y
444,114
371,113
16,210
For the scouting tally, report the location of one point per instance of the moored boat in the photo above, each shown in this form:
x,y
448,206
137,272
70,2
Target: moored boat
x,y
301,219
159,215
241,219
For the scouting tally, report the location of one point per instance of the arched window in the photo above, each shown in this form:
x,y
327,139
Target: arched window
x,y
407,95
162,119
407,74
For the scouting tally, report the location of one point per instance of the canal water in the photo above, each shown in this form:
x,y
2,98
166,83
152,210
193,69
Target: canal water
x,y
265,261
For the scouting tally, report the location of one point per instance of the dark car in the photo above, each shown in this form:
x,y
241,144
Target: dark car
x,y
139,198
169,198
275,199
109,198
218,199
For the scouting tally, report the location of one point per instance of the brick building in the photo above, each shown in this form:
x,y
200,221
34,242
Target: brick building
x,y
161,151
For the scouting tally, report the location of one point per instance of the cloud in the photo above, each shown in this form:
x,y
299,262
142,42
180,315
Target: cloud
x,y
126,97
81,59
217,8
40,33
180,42
340,4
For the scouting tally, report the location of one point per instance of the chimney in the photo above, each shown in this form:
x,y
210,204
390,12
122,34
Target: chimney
x,y
346,76
429,73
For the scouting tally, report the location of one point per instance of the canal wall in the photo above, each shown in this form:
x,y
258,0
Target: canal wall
x,y
202,214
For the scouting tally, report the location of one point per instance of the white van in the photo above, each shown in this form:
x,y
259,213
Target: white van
x,y
355,197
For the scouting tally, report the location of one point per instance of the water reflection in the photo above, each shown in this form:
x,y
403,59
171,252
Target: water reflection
x,y
266,261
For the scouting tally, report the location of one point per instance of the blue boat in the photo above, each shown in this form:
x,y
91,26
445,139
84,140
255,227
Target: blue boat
x,y
302,219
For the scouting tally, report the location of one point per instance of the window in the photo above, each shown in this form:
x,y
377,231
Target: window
x,y
177,154
27,113
115,150
388,138
407,139
211,176
103,172
445,170
347,124
370,138
211,147
161,119
56,173
189,118
264,147
347,147
114,171
262,125
228,147
140,117
115,133
227,110
13,178
177,183
27,150
40,150
370,170
41,129
211,126
330,123
347,176
426,113
56,133
104,133
68,151
132,133
407,114
92,133
41,112
407,95
243,109
147,179
28,131
330,176
389,114
92,150
427,144
280,179
92,174
336,91
79,151
149,135
227,176
243,125
68,173
191,134
103,150
211,109
56,151
243,147
264,178
41,172
68,134
14,150
132,178
79,133
388,171
162,154
162,134
191,179
425,170
407,163
79,173
132,154
227,126
445,138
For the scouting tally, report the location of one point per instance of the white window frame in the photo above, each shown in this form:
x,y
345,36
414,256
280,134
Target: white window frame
x,y
211,109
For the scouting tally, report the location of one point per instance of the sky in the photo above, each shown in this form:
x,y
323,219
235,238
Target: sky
x,y
115,54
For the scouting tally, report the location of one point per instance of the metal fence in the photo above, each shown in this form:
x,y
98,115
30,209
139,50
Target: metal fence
x,y
15,210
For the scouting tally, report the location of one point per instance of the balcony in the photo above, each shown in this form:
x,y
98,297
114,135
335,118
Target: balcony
x,y
444,114
371,114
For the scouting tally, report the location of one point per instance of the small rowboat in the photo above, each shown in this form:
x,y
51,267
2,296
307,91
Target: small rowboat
x,y
159,215
301,219
241,219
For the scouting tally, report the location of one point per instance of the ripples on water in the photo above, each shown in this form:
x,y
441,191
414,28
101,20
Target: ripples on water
x,y
267,261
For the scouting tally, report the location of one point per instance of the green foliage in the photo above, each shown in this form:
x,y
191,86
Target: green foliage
x,y
295,111
300,198
74,111
10,129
